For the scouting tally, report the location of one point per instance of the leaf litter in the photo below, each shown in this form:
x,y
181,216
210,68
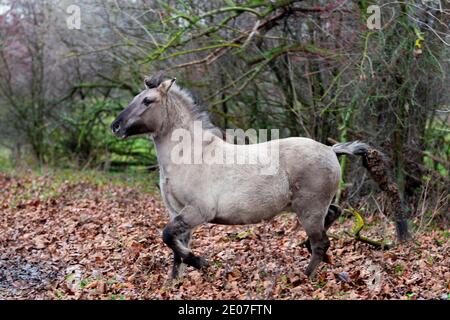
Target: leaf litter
x,y
91,241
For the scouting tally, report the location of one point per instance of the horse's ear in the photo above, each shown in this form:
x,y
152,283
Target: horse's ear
x,y
155,81
147,82
165,86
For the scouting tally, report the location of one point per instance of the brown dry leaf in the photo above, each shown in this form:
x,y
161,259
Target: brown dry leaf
x,y
91,285
40,242
101,287
91,242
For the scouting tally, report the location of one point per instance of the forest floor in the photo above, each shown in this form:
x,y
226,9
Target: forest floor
x,y
77,238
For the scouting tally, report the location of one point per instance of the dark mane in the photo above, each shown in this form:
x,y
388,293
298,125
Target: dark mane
x,y
196,110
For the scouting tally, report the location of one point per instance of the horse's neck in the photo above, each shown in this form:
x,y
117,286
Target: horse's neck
x,y
166,144
163,140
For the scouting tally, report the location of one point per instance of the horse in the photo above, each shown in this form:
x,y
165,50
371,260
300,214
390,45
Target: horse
x,y
305,179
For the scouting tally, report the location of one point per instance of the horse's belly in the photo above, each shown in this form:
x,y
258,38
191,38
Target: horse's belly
x,y
253,202
244,217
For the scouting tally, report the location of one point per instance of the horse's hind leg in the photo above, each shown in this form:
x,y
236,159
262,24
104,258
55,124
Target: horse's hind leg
x,y
311,213
333,213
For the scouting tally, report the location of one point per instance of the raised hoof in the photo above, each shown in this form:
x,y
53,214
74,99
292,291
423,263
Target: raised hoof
x,y
196,261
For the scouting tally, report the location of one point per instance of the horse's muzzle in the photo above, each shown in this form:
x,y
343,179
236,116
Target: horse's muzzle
x,y
126,128
117,128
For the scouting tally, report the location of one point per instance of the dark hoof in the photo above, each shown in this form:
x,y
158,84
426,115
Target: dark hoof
x,y
311,274
196,262
177,272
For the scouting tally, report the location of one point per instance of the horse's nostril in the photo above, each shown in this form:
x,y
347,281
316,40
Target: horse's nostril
x,y
115,127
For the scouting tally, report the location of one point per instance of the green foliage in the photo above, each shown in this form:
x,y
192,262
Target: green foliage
x,y
289,65
399,269
5,159
82,138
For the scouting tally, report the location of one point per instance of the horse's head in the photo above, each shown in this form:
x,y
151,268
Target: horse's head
x,y
146,112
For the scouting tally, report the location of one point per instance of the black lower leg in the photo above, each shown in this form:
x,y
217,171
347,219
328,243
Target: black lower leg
x,y
195,261
333,213
173,236
319,244
176,265
177,268
172,232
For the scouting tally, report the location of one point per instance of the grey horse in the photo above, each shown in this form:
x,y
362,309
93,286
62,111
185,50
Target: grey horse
x,y
305,181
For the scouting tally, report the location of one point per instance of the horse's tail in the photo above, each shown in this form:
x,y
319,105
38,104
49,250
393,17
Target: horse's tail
x,y
377,165
353,148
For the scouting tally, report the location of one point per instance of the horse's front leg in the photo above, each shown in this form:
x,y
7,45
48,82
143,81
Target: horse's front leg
x,y
178,265
173,232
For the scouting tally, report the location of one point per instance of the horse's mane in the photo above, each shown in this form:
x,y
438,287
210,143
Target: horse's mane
x,y
188,100
198,112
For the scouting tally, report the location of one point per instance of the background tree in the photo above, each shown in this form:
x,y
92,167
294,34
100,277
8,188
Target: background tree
x,y
309,68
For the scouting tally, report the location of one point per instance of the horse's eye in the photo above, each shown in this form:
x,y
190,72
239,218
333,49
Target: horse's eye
x,y
147,101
